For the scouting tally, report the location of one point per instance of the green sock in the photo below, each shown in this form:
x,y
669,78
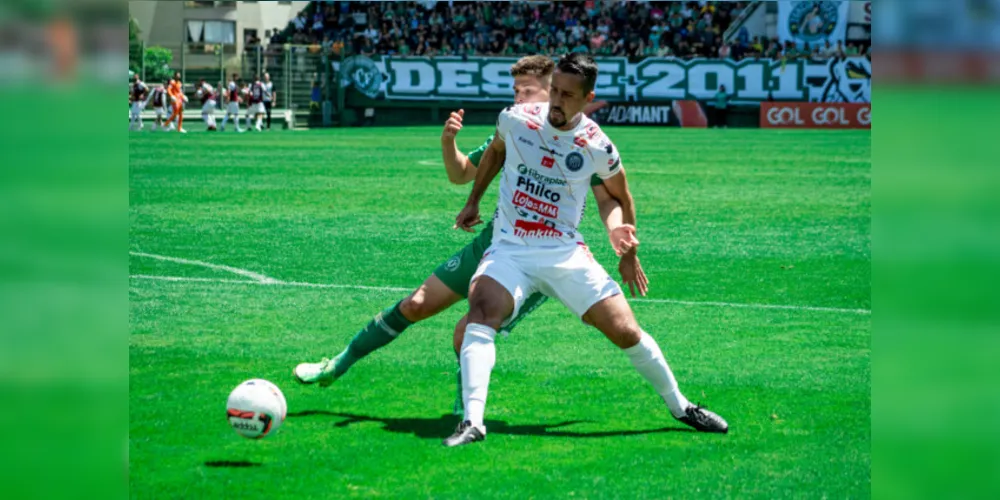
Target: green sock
x,y
382,329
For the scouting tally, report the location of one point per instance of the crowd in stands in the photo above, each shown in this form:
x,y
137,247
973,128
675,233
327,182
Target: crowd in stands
x,y
633,29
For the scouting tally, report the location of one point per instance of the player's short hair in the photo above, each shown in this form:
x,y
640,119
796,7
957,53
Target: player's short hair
x,y
537,66
578,63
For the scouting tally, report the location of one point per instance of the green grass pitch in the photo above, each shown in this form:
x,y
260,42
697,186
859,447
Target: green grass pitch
x,y
726,218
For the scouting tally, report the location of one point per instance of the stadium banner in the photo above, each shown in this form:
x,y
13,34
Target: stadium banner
x,y
813,22
815,115
632,113
653,79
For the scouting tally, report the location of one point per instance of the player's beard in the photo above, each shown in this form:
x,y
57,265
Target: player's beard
x,y
557,120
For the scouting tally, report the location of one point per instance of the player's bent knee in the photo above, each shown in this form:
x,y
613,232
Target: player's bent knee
x,y
484,312
415,307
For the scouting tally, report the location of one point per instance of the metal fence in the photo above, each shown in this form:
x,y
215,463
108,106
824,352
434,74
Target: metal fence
x,y
293,68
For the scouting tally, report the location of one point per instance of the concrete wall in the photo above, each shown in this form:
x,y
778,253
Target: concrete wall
x,y
163,22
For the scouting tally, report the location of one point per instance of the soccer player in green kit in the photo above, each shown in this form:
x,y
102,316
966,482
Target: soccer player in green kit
x,y
449,283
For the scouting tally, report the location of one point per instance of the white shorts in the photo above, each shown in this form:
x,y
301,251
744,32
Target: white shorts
x,y
568,273
137,107
257,109
209,107
233,109
159,111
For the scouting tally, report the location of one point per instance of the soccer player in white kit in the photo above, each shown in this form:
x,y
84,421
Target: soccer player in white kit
x,y
537,246
137,100
158,98
232,104
207,95
256,106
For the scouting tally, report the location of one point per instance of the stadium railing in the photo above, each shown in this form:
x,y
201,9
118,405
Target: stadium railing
x,y
293,68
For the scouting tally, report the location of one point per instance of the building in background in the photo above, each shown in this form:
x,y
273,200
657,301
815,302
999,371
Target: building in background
x,y
206,27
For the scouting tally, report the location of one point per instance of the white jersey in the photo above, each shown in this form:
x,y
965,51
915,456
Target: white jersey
x,y
547,175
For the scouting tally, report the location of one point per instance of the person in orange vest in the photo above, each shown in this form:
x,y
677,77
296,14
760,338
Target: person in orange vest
x,y
175,89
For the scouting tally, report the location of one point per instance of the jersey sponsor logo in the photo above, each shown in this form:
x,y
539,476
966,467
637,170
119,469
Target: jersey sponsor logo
x,y
530,172
591,131
532,125
522,200
548,161
522,139
580,141
574,161
525,229
538,189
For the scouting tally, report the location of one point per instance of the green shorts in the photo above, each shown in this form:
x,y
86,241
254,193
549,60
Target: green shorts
x,y
457,271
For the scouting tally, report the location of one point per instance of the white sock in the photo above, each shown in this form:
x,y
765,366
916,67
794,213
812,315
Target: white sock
x,y
225,120
648,360
258,122
477,359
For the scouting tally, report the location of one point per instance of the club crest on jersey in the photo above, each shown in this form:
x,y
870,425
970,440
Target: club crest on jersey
x,y
534,110
574,161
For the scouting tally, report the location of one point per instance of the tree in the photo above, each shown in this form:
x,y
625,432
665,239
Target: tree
x,y
158,61
135,51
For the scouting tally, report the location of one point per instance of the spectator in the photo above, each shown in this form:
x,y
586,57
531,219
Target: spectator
x,y
721,107
315,97
317,24
829,51
852,50
370,33
300,21
725,52
656,13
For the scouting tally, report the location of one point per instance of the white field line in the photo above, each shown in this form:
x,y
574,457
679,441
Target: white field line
x,y
260,279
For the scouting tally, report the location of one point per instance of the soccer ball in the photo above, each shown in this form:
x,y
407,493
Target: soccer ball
x,y
256,408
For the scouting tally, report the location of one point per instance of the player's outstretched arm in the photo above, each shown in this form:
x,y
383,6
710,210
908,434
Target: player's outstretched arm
x,y
458,166
489,168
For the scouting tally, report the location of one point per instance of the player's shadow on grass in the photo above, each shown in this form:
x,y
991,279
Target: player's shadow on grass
x,y
232,463
443,426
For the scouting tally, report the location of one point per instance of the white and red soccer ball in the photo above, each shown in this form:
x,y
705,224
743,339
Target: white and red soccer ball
x,y
256,408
